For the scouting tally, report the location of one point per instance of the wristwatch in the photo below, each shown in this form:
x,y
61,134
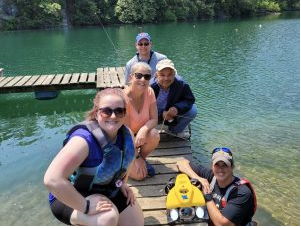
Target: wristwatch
x,y
208,197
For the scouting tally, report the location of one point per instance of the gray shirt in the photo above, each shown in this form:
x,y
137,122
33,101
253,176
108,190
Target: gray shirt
x,y
155,58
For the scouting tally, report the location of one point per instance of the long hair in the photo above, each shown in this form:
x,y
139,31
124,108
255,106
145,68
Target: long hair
x,y
90,115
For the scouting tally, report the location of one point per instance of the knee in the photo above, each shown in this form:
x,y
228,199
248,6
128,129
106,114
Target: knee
x,y
109,218
136,176
194,111
155,135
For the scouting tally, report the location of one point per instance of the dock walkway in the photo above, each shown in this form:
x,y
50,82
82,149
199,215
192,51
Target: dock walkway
x,y
102,78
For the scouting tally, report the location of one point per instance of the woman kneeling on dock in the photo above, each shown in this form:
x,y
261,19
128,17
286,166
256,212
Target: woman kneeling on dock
x,y
87,179
142,118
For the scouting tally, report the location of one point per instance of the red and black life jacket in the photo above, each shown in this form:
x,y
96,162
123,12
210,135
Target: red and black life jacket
x,y
241,181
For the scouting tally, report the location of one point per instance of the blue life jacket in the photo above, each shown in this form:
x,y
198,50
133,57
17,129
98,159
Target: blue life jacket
x,y
106,178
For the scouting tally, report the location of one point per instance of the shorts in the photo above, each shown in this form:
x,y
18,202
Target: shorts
x,y
63,212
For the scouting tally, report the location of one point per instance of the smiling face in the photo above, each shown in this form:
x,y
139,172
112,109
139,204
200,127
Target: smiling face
x,y
139,73
143,46
165,77
223,173
110,123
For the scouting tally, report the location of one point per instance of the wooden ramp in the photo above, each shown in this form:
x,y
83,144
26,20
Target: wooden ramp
x,y
102,78
150,193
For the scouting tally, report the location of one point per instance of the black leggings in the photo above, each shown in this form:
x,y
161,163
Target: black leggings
x,y
63,212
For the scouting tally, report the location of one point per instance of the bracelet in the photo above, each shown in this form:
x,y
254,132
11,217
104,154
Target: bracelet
x,y
138,155
87,207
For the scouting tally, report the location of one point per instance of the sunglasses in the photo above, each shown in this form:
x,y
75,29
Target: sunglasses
x,y
145,76
107,112
143,44
223,149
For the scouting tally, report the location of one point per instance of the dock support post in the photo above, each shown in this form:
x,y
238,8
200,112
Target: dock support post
x,y
1,72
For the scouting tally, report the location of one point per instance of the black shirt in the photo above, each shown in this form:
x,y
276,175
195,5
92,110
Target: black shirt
x,y
239,208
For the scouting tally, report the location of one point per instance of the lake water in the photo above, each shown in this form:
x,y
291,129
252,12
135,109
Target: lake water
x,y
245,75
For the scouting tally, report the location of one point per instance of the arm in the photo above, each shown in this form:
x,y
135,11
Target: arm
x,y
63,165
216,216
184,167
150,124
185,101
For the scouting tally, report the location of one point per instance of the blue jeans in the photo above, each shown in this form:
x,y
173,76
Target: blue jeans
x,y
183,122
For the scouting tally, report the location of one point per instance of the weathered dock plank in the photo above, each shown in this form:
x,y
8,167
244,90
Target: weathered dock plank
x,y
32,80
23,81
5,81
40,80
57,80
83,78
66,79
74,78
12,82
91,78
100,78
2,78
48,80
106,77
114,77
121,74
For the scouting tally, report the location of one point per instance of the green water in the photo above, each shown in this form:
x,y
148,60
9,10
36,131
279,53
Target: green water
x,y
245,75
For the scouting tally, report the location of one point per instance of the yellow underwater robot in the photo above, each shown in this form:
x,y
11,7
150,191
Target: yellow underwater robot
x,y
185,201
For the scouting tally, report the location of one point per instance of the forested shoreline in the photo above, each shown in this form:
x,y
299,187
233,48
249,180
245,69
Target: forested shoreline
x,y
41,14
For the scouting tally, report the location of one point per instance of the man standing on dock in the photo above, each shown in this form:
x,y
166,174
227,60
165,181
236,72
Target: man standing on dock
x,y
144,54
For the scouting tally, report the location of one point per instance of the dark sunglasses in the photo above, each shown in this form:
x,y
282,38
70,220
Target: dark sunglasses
x,y
224,149
143,44
145,76
107,112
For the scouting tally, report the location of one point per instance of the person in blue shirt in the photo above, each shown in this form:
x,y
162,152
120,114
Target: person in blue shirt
x,y
145,54
87,180
175,100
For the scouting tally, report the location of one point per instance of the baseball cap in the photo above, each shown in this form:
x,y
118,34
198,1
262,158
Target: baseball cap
x,y
143,35
165,63
222,156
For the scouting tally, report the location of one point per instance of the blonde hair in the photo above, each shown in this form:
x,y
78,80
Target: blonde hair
x,y
90,115
142,65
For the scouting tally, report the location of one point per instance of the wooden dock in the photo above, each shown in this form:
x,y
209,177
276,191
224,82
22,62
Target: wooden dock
x,y
102,78
150,193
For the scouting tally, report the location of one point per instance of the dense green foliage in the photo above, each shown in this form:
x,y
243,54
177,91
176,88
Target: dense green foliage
x,y
20,14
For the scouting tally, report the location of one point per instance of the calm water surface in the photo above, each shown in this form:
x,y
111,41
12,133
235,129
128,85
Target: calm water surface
x,y
245,75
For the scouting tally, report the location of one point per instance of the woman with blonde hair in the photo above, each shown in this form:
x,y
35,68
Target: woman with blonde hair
x,y
142,118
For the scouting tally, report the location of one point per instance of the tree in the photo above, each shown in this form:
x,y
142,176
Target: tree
x,y
129,11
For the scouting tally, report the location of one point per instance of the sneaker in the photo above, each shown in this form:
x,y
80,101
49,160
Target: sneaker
x,y
183,135
150,169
